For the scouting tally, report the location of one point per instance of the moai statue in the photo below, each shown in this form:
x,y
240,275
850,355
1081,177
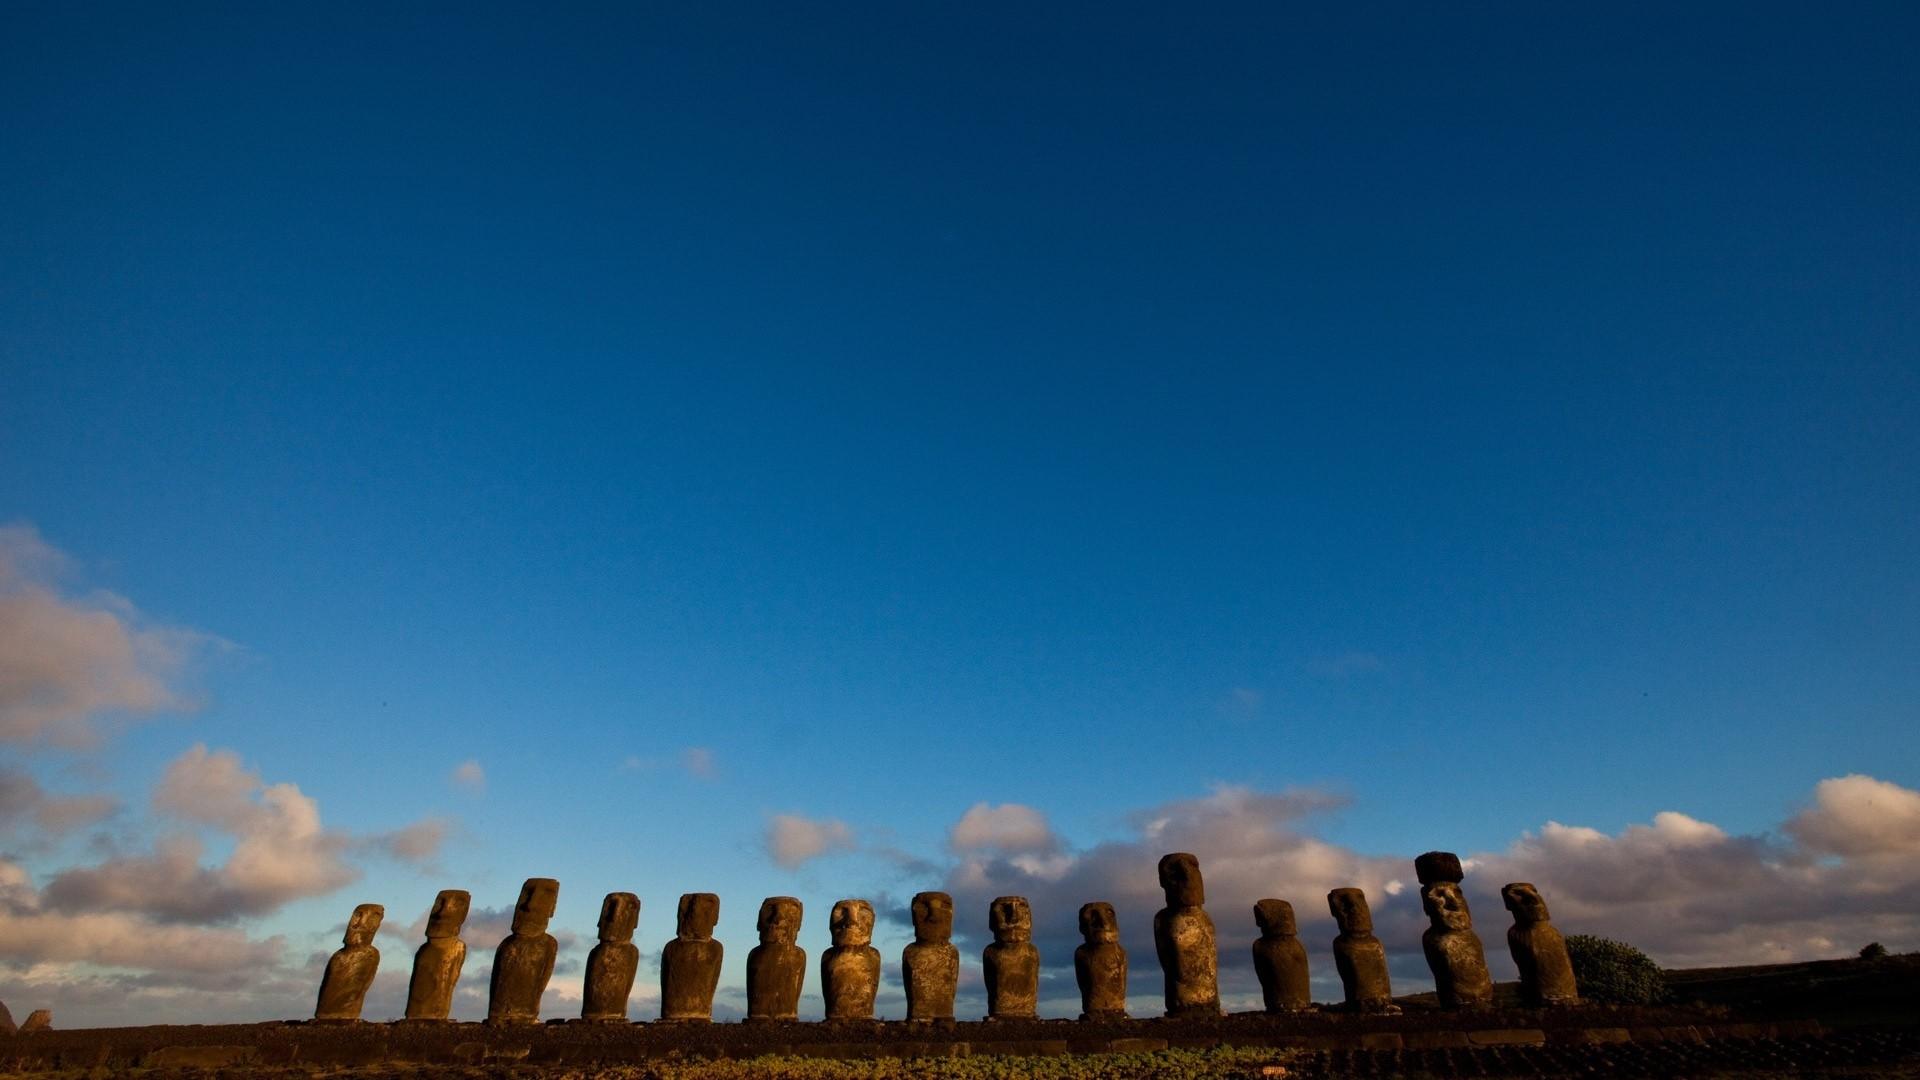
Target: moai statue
x,y
1183,936
1546,971
611,964
343,989
1012,963
776,967
690,964
1100,965
1279,959
1453,950
1358,955
850,970
930,965
524,962
436,967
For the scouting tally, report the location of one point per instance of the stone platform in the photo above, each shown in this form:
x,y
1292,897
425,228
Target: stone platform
x,y
576,1044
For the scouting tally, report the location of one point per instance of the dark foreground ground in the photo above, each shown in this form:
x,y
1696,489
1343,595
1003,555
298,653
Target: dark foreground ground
x,y
1827,1019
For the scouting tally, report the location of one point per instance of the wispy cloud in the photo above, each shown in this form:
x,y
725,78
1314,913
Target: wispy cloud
x,y
469,775
792,840
67,662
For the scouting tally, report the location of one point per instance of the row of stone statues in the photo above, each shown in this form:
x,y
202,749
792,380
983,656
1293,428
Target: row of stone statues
x,y
1183,935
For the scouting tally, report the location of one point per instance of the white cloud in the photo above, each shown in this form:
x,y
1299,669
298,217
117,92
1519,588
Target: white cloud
x,y
792,840
280,850
67,661
469,775
1008,828
1860,816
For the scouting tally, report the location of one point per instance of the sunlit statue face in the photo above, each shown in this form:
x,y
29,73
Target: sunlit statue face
x,y
449,913
851,923
1010,919
363,924
698,912
1180,878
619,915
1526,903
779,920
1275,918
1446,906
932,917
1098,924
537,899
1349,908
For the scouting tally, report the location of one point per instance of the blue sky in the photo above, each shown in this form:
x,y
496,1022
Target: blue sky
x,y
1473,418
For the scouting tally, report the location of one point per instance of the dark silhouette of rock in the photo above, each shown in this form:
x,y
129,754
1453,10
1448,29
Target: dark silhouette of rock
x,y
930,965
611,964
1279,959
436,967
1358,955
850,970
1435,866
1183,936
7,1026
1546,971
690,964
1100,964
1453,950
776,967
1012,962
350,971
37,1020
524,962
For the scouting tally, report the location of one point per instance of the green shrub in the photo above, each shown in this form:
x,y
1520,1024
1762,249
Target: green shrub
x,y
1615,972
1874,951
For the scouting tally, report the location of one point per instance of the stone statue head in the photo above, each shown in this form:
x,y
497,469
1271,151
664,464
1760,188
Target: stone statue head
x,y
698,912
537,899
619,914
1275,918
1350,911
1180,877
1098,924
1526,903
1446,906
851,923
1010,919
363,924
1438,866
449,913
932,917
779,920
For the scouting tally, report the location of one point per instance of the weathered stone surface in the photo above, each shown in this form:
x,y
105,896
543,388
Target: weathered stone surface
x,y
1453,950
1100,965
1546,971
1183,936
7,1026
1012,962
1435,866
930,965
436,967
42,1020
524,961
350,971
612,963
690,964
776,967
1279,959
850,970
1358,955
